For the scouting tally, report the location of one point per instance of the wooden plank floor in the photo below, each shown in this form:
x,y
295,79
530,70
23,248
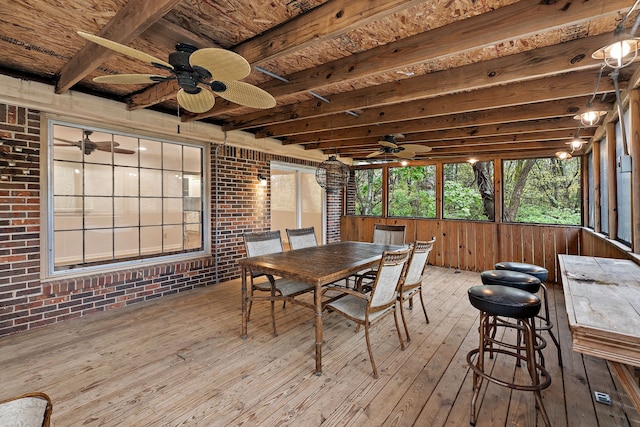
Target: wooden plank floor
x,y
180,361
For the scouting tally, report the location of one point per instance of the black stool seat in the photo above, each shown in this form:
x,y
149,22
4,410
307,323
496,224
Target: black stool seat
x,y
513,279
496,300
534,270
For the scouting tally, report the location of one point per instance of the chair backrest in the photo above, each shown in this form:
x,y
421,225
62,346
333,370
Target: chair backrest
x,y
301,237
418,261
385,287
389,234
262,243
31,409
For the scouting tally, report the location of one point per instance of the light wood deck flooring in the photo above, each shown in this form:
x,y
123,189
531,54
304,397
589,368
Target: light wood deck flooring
x,y
180,361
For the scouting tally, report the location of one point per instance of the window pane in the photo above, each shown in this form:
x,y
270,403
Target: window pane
x,y
126,212
172,184
468,191
125,181
68,247
192,236
192,161
604,190
67,213
98,212
368,192
172,156
150,240
126,242
172,211
98,180
150,154
172,238
150,211
150,183
412,191
97,147
544,191
67,178
98,245
66,143
623,186
126,152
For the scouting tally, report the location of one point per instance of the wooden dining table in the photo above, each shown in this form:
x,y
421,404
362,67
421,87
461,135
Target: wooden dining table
x,y
318,266
602,297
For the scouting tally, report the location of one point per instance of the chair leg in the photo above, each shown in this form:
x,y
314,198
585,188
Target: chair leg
x,y
373,364
273,311
477,379
395,317
404,320
424,309
548,323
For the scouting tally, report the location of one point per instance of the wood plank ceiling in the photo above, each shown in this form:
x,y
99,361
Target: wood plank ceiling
x,y
479,78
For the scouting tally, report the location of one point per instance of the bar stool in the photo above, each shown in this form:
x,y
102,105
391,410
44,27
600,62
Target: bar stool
x,y
542,274
518,280
523,307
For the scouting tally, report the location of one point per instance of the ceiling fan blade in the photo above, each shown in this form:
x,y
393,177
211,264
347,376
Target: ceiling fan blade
x,y
374,154
386,143
246,94
67,141
127,78
200,102
417,148
125,50
405,154
222,64
117,150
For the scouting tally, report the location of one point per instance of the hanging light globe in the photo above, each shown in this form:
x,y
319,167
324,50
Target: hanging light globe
x,y
332,174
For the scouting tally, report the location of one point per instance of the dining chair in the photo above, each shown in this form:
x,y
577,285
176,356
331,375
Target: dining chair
x,y
414,276
29,409
368,309
264,243
385,235
389,234
301,237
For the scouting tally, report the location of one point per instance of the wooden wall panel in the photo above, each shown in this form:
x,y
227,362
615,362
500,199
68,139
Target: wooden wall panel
x,y
477,246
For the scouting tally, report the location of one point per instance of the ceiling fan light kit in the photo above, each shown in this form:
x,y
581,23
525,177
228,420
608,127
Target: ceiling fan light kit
x,y
199,72
405,151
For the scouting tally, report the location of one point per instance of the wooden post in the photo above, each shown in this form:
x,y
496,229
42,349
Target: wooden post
x,y
612,184
634,151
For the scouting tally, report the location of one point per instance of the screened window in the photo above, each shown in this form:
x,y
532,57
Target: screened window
x,y
604,189
368,192
544,191
118,197
623,185
468,191
412,191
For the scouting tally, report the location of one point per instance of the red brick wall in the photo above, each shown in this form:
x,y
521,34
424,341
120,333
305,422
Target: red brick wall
x,y
26,302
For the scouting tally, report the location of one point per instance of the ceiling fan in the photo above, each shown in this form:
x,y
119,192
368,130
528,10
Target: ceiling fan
x,y
89,146
217,70
390,146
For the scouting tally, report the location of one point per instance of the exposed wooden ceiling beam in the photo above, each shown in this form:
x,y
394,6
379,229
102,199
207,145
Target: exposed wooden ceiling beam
x,y
130,21
549,111
515,21
540,90
553,60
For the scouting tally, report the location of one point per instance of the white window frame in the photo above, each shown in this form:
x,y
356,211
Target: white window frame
x,y
47,212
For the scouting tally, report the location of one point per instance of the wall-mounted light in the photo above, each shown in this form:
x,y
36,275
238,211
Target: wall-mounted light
x,y
262,179
404,162
472,161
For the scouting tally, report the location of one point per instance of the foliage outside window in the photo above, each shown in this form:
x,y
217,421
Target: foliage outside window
x,y
412,191
368,192
119,197
543,191
468,191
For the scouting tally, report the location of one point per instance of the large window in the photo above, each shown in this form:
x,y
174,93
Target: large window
x,y
368,192
623,184
412,191
119,197
604,188
544,191
468,191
